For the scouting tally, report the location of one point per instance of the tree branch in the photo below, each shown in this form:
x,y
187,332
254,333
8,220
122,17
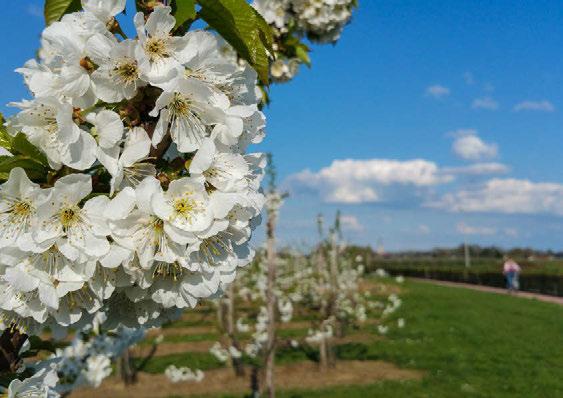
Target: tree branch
x,y
11,343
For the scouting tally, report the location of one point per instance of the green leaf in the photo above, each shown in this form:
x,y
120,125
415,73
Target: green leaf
x,y
183,11
21,145
55,9
5,138
243,28
302,53
266,34
33,169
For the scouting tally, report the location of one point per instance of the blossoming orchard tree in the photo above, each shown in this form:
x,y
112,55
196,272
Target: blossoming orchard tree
x,y
128,188
292,21
128,194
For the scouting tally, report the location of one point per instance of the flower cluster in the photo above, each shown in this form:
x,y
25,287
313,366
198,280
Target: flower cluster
x,y
41,384
320,20
183,374
86,362
152,198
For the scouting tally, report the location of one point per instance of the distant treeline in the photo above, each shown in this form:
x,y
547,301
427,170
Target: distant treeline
x,y
475,251
542,271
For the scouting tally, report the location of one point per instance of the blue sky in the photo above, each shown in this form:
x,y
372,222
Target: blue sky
x,y
472,89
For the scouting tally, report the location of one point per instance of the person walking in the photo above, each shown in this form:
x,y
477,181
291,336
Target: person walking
x,y
511,271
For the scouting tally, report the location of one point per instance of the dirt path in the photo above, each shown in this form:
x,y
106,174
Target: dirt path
x,y
540,297
304,375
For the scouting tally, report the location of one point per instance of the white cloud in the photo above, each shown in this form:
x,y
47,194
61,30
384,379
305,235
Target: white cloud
x,y
437,91
469,146
509,196
371,180
485,103
351,223
542,106
478,169
465,229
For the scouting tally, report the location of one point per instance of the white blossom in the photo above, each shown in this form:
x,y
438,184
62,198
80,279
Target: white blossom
x,y
19,200
39,385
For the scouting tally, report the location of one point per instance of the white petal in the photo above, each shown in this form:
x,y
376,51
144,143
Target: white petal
x,y
121,205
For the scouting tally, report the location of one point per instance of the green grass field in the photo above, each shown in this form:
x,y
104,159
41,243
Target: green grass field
x,y
467,344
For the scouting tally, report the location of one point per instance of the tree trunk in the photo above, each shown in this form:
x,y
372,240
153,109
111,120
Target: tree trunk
x,y
323,354
271,306
127,370
254,383
333,279
238,366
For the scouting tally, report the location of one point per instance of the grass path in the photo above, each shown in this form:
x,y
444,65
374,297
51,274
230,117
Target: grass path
x,y
541,297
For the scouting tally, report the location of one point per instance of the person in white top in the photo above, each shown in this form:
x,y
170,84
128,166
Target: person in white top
x,y
511,271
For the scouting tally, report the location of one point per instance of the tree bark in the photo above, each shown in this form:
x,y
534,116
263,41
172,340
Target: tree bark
x,y
271,306
127,370
11,343
230,327
254,383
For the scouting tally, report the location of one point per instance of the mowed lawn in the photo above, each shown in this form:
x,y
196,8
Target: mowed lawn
x,y
470,344
465,343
